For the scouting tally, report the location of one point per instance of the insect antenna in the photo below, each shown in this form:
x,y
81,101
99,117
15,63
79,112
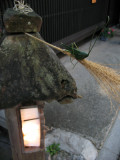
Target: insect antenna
x,y
75,45
91,47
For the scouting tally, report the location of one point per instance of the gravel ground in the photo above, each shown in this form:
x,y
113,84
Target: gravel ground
x,y
62,155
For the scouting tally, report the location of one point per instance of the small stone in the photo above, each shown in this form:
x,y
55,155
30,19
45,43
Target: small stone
x,y
62,155
76,157
16,22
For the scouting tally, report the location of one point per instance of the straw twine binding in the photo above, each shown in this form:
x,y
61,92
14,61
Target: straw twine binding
x,y
20,6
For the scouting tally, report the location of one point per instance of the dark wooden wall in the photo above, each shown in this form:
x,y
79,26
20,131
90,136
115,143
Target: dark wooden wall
x,y
114,11
62,18
65,18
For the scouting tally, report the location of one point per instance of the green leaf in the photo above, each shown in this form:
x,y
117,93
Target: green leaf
x,y
53,149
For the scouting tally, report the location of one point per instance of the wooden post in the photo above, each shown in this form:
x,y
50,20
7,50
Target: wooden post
x,y
16,138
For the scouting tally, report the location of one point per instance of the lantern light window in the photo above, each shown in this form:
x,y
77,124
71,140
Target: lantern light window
x,y
31,127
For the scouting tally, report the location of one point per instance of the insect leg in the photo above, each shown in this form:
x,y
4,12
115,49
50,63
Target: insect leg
x,y
91,46
72,53
75,45
71,61
75,64
73,48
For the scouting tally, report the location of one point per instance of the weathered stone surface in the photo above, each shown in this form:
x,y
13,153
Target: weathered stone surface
x,y
72,143
62,155
30,70
16,21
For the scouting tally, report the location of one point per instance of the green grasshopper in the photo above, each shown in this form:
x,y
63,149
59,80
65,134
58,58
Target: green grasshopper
x,y
75,52
73,49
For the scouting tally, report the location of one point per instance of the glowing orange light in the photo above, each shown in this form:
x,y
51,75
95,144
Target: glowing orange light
x,y
93,1
30,127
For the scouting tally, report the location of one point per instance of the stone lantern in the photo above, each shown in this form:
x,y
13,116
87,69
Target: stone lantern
x,y
30,75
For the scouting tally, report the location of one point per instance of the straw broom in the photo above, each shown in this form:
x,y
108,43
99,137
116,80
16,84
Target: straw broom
x,y
107,77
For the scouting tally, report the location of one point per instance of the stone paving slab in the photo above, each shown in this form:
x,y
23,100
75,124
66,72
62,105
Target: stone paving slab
x,y
111,147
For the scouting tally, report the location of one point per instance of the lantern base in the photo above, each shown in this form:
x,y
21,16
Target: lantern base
x,y
19,152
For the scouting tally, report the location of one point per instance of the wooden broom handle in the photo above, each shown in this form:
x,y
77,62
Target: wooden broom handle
x,y
57,48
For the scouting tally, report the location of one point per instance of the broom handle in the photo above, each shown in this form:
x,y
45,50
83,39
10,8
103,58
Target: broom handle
x,y
57,48
51,45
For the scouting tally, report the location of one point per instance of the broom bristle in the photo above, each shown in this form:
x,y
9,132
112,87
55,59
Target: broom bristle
x,y
107,77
